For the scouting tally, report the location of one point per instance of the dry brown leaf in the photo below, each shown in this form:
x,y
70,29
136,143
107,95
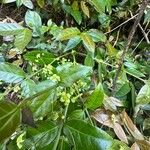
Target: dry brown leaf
x,y
12,53
120,132
112,103
131,127
135,146
103,117
143,144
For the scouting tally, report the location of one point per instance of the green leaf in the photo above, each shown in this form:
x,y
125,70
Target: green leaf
x,y
88,42
39,57
97,36
23,38
8,1
99,5
10,29
147,16
27,88
89,60
68,33
143,96
77,114
70,73
111,50
85,9
73,10
63,144
72,43
9,119
95,100
84,136
41,106
134,72
123,90
33,20
42,136
41,3
28,3
19,3
11,73
76,13
40,88
104,20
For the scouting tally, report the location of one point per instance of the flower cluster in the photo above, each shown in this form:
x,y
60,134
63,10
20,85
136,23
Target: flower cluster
x,y
54,78
65,98
16,89
47,70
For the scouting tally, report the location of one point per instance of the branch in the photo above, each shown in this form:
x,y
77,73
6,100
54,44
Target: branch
x,y
145,34
130,37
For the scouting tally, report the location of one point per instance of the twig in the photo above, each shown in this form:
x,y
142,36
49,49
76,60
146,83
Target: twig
x,y
139,43
117,38
145,34
130,37
122,24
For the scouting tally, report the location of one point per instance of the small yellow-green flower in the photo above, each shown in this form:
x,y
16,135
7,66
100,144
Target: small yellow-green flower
x,y
34,68
55,78
65,98
38,56
16,89
47,70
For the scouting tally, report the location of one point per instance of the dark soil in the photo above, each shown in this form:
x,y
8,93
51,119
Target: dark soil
x,y
9,10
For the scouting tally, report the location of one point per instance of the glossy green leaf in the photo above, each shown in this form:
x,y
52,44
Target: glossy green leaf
x,y
84,136
77,16
19,3
71,73
97,36
85,9
143,96
68,33
88,42
112,52
10,29
99,5
23,38
72,43
89,61
41,88
9,119
41,3
11,73
95,100
39,57
63,144
8,1
147,16
28,3
42,136
42,104
104,19
134,72
27,87
123,90
33,20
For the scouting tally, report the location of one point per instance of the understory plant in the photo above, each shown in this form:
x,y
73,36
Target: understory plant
x,y
78,84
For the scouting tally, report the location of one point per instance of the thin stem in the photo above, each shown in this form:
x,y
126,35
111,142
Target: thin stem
x,y
58,137
135,76
50,64
101,61
84,106
60,129
122,24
